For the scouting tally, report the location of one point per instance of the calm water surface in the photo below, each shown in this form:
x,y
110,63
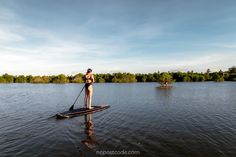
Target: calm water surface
x,y
192,119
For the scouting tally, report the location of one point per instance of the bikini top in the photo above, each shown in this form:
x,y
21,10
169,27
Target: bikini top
x,y
90,78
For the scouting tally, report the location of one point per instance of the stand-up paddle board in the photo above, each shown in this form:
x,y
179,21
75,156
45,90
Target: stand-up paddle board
x,y
81,111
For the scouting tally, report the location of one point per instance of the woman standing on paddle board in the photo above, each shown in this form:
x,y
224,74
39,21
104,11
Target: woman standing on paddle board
x,y
89,80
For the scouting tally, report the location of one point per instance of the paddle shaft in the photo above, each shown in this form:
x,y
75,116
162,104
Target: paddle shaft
x,y
71,108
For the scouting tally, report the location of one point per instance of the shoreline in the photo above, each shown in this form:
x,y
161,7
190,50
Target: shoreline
x,y
119,82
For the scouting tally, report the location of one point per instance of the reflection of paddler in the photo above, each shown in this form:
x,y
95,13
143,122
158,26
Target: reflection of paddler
x,y
89,141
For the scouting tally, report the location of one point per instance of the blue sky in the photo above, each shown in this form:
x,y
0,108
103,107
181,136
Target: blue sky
x,y
139,36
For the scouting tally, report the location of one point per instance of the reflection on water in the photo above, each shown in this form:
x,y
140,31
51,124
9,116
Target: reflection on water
x,y
90,140
164,92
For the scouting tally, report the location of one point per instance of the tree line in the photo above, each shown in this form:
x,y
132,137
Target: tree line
x,y
190,76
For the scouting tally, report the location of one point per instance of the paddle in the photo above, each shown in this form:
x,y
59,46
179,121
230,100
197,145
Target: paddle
x,y
72,107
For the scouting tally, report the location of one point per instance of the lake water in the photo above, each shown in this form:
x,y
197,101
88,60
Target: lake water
x,y
191,119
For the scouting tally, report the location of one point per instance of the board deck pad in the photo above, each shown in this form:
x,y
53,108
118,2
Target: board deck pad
x,y
81,111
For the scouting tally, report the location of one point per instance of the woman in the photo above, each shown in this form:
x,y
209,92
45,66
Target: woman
x,y
89,80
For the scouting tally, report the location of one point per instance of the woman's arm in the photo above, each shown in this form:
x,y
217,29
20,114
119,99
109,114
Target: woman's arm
x,y
92,79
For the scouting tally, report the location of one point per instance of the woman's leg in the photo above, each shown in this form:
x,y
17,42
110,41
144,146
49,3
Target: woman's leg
x,y
86,98
90,94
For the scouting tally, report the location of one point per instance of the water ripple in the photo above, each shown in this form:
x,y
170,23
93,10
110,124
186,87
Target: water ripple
x,y
193,119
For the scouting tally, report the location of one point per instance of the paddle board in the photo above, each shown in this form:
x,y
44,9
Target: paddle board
x,y
81,111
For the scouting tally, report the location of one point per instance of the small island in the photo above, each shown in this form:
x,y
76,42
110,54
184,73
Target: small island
x,y
165,81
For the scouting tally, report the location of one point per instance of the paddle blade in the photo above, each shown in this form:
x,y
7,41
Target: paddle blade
x,y
71,108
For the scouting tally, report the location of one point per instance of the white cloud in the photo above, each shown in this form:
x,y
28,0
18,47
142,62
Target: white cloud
x,y
197,62
20,53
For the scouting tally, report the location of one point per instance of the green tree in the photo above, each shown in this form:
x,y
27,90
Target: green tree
x,y
217,77
186,79
78,78
124,78
232,74
37,79
20,79
45,79
8,78
197,77
141,77
100,80
2,80
165,79
29,78
179,76
108,77
201,78
207,75
156,76
40,79
144,78
60,79
151,78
